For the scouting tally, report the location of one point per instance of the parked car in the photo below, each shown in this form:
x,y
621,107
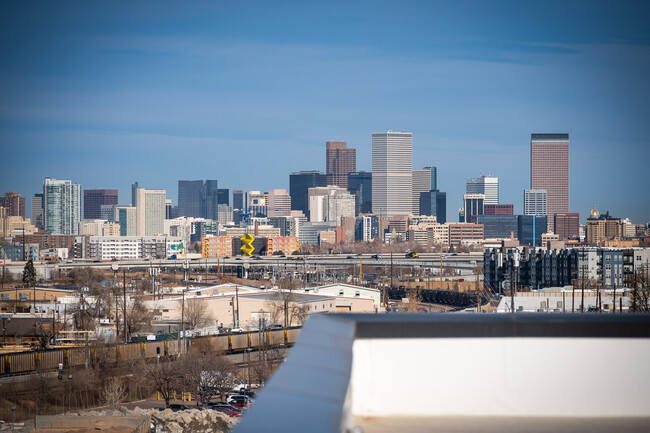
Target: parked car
x,y
248,393
177,407
236,330
226,408
239,400
241,386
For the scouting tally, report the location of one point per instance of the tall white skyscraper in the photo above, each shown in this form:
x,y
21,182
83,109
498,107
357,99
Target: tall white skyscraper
x,y
421,183
392,173
487,185
61,206
150,211
535,202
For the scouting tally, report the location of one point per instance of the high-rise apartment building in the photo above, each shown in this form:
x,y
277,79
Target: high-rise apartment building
x,y
150,212
37,211
94,199
61,206
535,202
392,173
549,169
487,185
299,184
474,206
339,161
14,203
360,186
421,183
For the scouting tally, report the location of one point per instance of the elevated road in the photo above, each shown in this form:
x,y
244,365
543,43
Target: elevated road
x,y
307,263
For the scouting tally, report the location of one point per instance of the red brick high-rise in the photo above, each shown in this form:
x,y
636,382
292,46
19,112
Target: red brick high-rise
x,y
14,202
567,225
498,209
549,170
339,160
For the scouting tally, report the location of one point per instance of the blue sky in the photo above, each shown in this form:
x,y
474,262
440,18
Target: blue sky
x,y
246,92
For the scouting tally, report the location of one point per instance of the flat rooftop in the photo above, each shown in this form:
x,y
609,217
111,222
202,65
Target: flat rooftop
x,y
461,372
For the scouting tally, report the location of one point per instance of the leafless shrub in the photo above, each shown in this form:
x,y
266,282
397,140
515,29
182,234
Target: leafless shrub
x,y
112,394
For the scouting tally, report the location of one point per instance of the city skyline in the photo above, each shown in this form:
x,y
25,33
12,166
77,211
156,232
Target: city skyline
x,y
107,97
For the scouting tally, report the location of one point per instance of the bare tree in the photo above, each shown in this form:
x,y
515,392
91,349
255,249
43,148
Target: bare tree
x,y
640,290
196,313
86,277
163,377
138,317
206,375
112,394
262,370
411,303
285,305
43,331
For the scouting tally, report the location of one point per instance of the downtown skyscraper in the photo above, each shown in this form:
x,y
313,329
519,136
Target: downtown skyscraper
x,y
549,170
199,198
392,173
94,199
339,161
486,185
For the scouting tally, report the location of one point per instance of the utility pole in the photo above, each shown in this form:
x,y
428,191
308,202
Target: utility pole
x,y
237,299
187,282
440,265
360,270
582,286
234,322
124,291
512,300
391,270
259,338
478,297
613,289
183,321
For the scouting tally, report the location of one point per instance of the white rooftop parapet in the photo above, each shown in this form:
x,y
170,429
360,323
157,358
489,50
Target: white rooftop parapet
x,y
347,368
